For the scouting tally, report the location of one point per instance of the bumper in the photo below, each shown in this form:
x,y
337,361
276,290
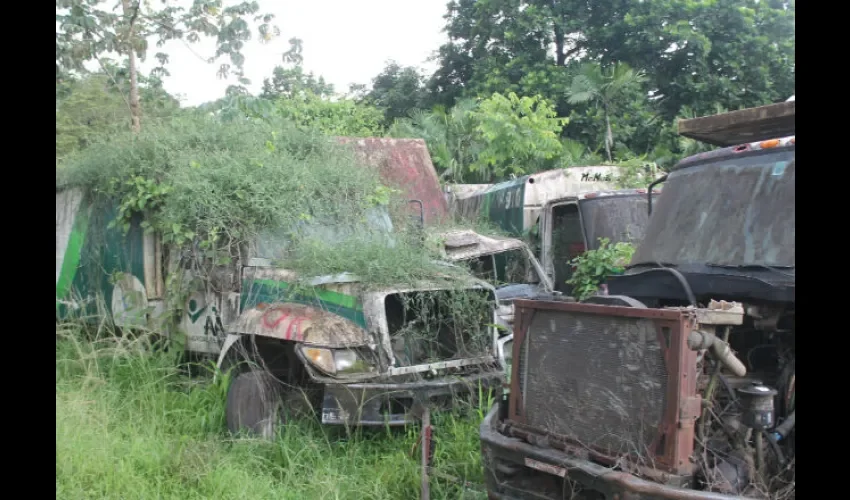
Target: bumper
x,y
506,459
380,404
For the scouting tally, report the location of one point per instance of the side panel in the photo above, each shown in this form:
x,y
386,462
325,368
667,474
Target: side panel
x,y
501,204
206,316
99,269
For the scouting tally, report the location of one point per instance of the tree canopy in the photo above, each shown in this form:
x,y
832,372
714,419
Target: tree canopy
x,y
520,85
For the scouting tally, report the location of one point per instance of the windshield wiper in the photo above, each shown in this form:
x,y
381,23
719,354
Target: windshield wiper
x,y
752,267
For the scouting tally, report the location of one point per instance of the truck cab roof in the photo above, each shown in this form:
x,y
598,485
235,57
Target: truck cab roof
x,y
742,126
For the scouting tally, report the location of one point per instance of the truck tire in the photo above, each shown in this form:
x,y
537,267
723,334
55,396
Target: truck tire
x,y
255,404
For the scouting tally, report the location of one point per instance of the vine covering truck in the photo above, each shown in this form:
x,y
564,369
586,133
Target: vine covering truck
x,y
356,354
680,382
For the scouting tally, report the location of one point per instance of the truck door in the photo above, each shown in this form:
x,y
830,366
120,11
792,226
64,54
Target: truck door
x,y
566,241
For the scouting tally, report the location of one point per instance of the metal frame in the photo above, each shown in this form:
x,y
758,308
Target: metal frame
x,y
675,441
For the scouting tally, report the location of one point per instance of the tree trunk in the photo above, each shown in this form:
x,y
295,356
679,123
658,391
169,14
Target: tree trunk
x,y
609,135
135,105
560,54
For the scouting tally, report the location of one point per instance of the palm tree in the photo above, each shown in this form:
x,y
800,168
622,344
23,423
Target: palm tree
x,y
604,86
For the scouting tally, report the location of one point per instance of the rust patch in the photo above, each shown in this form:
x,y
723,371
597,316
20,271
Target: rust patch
x,y
404,164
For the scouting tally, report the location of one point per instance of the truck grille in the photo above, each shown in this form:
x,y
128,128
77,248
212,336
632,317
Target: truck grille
x,y
600,381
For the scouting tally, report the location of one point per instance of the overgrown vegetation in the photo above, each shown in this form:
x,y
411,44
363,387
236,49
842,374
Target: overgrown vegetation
x,y
130,424
591,268
212,188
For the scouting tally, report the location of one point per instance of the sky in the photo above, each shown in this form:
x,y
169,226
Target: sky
x,y
346,41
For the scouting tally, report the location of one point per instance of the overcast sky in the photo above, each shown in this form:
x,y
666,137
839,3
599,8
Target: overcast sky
x,y
346,41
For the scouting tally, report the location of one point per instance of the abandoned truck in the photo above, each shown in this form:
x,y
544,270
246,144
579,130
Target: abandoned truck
x,y
680,384
571,225
562,213
355,354
515,205
505,263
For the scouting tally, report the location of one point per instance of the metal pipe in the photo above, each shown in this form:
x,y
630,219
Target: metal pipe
x,y
759,452
649,191
698,341
426,449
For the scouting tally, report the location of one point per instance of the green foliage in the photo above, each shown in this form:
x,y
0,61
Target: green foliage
x,y
340,117
397,91
294,82
303,100
635,172
96,104
210,187
487,140
605,86
594,266
694,54
519,134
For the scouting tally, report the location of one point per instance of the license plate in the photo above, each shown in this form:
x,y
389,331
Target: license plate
x,y
548,469
333,416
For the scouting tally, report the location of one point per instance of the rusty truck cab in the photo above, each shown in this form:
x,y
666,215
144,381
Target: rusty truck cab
x,y
679,384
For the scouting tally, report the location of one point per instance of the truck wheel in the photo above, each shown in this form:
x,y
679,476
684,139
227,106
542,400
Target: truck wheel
x,y
255,403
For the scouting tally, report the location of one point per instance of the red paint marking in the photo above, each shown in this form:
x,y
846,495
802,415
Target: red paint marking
x,y
292,326
279,319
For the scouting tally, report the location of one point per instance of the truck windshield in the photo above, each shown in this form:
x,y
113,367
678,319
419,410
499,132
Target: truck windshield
x,y
618,218
376,227
737,211
505,268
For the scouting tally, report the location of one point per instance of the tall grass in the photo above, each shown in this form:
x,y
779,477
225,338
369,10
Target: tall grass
x,y
130,424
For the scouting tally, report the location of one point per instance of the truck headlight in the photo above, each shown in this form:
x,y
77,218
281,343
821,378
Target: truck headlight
x,y
337,361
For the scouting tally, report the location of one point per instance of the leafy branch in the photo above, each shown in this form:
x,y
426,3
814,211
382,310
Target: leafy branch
x,y
594,266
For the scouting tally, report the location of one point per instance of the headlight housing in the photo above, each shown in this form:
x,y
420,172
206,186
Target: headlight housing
x,y
337,361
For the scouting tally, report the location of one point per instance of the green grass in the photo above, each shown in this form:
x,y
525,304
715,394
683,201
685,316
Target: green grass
x,y
130,424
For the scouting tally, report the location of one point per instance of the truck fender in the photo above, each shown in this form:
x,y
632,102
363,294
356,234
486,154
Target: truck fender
x,y
297,323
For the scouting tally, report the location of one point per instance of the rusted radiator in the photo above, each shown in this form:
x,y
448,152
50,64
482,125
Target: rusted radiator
x,y
613,382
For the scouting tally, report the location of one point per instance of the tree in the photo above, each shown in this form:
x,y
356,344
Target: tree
x,y
290,82
605,86
340,117
89,29
521,135
96,104
739,53
397,90
488,140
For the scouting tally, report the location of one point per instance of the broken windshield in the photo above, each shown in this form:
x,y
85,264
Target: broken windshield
x,y
734,212
504,268
618,218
